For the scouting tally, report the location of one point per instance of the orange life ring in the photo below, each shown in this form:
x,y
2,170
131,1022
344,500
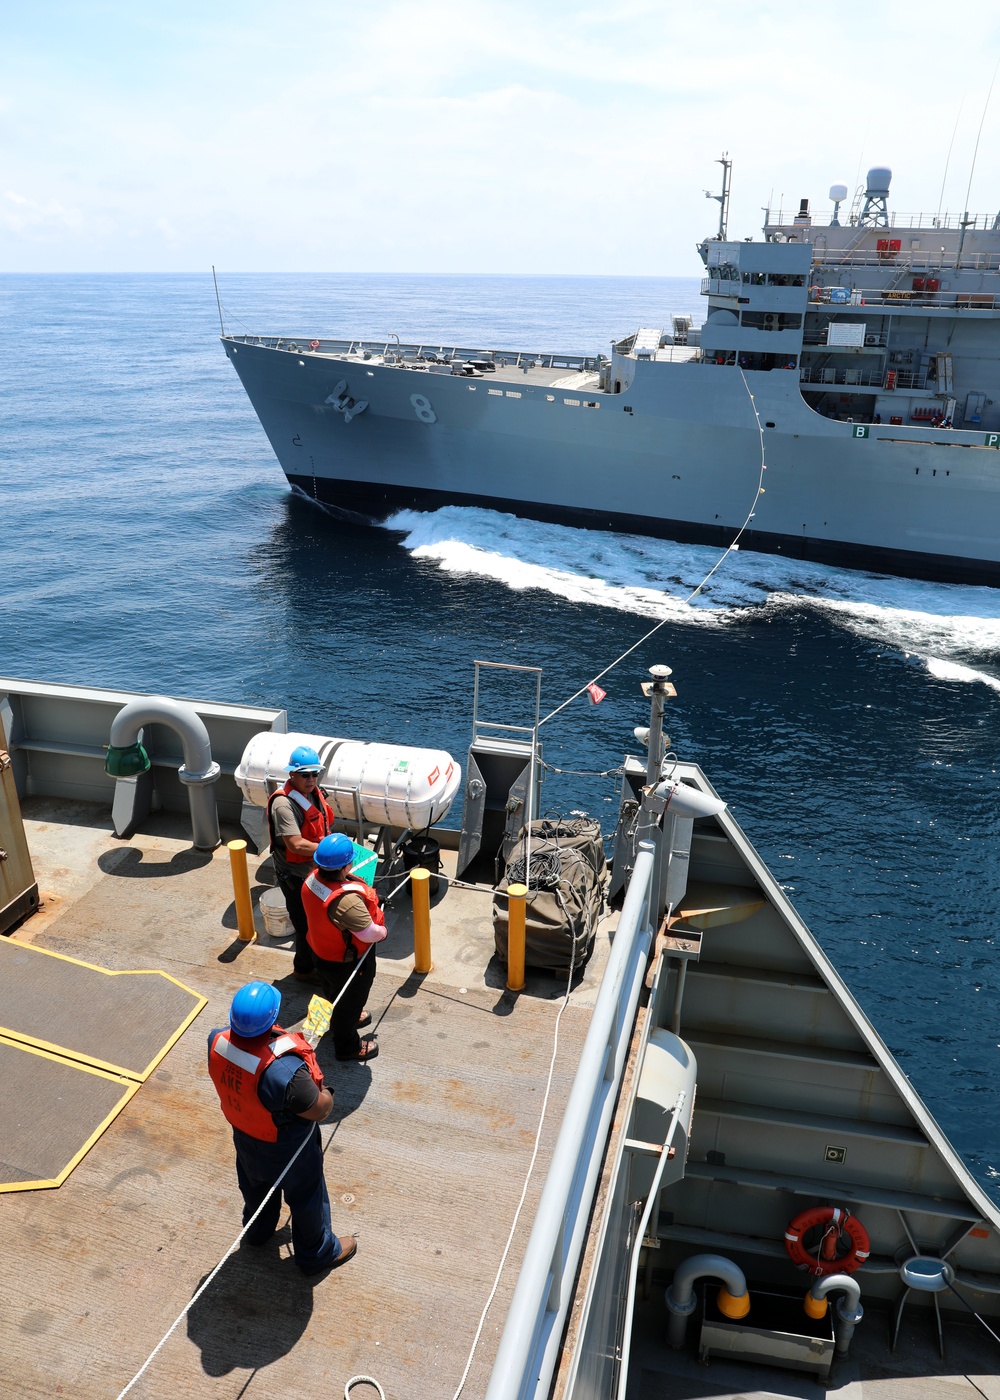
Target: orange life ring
x,y
822,1256
314,345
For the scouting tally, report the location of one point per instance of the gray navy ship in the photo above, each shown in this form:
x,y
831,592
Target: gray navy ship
x,y
860,360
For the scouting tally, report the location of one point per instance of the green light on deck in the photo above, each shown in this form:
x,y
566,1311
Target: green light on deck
x,y
126,762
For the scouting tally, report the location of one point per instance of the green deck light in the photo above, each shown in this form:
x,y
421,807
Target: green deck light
x,y
126,762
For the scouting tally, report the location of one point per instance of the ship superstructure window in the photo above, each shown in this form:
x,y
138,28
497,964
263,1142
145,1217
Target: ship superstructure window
x,y
771,320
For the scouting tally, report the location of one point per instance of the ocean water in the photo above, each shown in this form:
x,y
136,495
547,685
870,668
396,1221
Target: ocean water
x,y
149,542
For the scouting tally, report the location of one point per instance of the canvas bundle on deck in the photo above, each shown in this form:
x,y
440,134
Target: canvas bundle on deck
x,y
565,892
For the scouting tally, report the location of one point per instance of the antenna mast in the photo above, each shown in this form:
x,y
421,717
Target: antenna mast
x,y
723,198
966,220
217,300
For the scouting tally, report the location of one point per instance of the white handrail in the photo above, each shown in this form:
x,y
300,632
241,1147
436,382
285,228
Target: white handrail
x,y
529,1345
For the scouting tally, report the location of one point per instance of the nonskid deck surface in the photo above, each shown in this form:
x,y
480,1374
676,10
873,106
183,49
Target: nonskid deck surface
x,y
425,1155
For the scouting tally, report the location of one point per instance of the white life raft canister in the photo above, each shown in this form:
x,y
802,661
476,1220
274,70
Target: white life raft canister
x,y
398,785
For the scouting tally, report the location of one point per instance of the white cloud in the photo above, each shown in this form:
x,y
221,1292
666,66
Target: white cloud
x,y
447,137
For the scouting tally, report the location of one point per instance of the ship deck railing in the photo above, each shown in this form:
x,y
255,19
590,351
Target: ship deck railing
x,y
920,260
530,1343
910,296
831,375
932,222
392,352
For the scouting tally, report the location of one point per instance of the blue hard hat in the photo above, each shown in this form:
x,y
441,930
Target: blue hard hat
x,y
334,852
303,758
254,1009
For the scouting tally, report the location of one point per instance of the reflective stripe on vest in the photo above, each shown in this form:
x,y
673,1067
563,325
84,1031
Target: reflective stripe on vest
x,y
317,819
325,938
236,1071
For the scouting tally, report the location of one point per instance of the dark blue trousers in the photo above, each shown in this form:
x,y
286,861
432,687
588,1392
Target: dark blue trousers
x,y
258,1166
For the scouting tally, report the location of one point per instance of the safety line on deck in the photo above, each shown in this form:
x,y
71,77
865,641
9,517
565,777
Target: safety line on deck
x,y
235,1244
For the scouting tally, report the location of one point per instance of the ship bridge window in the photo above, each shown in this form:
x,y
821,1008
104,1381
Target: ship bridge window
x,y
754,279
719,357
771,320
764,360
725,271
786,279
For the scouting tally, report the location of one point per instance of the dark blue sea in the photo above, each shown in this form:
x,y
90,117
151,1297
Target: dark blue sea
x,y
148,541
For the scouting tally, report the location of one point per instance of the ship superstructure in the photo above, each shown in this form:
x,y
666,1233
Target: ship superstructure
x,y
861,359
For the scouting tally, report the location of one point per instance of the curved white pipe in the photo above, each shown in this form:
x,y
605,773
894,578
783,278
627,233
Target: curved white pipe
x,y
161,709
198,771
680,1297
848,1309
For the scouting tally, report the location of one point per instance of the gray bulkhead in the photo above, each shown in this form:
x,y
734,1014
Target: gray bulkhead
x,y
798,1103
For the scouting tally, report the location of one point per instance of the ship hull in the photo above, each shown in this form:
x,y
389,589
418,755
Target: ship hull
x,y
378,503
676,455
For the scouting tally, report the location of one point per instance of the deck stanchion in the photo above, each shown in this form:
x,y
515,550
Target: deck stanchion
x,y
420,890
241,890
516,896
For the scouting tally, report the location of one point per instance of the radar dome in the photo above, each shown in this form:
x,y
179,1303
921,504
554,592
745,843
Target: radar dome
x,y
838,192
878,180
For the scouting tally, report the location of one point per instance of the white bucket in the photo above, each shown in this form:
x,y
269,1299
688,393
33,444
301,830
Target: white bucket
x,y
276,921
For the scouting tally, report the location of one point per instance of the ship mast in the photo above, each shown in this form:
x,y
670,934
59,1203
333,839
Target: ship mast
x,y
723,198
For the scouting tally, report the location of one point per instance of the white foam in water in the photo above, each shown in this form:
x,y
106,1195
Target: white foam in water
x,y
943,626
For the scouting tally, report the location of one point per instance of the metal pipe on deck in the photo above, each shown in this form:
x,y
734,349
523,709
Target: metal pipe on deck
x,y
199,772
734,1301
848,1309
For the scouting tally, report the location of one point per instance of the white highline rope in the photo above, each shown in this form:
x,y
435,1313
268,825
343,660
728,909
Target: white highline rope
x,y
235,1244
734,544
527,1179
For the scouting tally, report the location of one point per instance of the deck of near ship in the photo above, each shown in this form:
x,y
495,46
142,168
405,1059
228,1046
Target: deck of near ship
x,y
426,1153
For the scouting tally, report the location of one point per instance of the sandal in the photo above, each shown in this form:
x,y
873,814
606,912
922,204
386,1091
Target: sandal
x,y
368,1051
365,1019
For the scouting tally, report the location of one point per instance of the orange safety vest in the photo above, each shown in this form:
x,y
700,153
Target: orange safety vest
x,y
317,821
327,941
236,1065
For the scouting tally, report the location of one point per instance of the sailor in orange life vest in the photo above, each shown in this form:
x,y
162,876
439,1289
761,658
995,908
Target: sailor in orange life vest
x,y
344,921
298,816
273,1095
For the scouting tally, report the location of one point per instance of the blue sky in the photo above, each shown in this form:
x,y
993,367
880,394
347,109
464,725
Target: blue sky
x,y
451,136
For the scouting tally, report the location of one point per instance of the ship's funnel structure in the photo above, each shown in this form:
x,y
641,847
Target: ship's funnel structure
x,y
875,213
128,763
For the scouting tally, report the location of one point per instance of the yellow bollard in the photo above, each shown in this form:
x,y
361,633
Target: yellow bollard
x,y
241,890
420,892
516,896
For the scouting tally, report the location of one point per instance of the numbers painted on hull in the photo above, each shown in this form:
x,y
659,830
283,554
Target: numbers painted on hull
x,y
422,408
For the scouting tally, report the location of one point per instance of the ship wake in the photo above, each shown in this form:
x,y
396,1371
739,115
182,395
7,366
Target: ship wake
x,y
951,629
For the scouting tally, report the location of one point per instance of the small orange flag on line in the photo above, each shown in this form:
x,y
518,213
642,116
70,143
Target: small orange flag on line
x,y
596,693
